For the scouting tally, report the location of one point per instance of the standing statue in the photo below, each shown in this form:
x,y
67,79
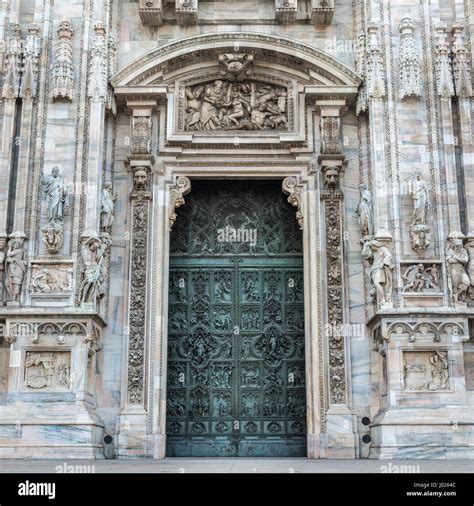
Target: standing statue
x,y
107,208
2,260
57,196
381,269
457,259
93,255
421,200
470,266
16,268
365,212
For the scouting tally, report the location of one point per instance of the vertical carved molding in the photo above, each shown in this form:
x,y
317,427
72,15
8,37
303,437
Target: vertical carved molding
x,y
63,66
410,85
112,47
12,64
97,85
361,68
32,49
375,68
461,63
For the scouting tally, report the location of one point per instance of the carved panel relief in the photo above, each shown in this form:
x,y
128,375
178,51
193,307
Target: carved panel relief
x,y
50,279
426,370
50,371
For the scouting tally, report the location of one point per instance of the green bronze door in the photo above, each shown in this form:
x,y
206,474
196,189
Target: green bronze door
x,y
236,384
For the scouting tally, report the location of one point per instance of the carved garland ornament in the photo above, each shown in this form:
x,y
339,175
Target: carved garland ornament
x,y
177,193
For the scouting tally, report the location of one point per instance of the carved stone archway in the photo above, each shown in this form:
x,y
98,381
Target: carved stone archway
x,y
165,156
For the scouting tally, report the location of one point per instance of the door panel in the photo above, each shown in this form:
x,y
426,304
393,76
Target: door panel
x,y
236,382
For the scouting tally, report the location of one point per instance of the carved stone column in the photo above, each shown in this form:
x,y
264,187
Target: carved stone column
x,y
340,437
133,421
63,66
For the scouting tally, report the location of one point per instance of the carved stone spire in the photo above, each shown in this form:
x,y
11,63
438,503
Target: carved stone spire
x,y
32,49
409,61
63,67
375,68
98,65
444,75
12,64
461,63
177,193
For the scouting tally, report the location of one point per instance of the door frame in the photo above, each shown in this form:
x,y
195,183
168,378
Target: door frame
x,y
159,254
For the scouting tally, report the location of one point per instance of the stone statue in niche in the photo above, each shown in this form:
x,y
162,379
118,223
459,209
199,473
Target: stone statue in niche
x,y
457,260
420,233
15,268
227,105
58,204
93,256
48,370
107,208
421,278
381,270
365,212
235,67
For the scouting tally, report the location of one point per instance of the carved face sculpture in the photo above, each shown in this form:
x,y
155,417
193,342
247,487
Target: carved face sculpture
x,y
332,177
55,171
141,179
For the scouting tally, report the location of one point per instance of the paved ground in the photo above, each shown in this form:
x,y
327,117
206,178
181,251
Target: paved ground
x,y
242,465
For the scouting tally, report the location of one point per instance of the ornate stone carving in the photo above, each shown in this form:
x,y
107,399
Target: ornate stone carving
x,y
421,278
51,279
107,208
177,193
444,75
97,84
286,10
381,264
291,188
330,135
470,266
322,11
3,245
141,180
425,370
409,63
457,260
58,204
361,67
186,11
15,269
375,68
141,135
461,63
93,253
420,233
50,371
151,12
365,212
12,64
235,66
112,48
62,80
31,53
331,182
227,105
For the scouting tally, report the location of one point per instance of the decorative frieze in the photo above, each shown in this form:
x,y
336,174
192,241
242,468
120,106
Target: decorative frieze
x,y
31,53
286,10
186,11
48,371
151,12
461,63
62,79
409,63
177,193
425,370
12,65
322,12
444,74
376,88
291,188
97,84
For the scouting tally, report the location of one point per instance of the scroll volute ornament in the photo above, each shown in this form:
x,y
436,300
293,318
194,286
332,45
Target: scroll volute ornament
x,y
177,193
290,187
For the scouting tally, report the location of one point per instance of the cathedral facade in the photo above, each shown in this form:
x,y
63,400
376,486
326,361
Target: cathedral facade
x,y
236,229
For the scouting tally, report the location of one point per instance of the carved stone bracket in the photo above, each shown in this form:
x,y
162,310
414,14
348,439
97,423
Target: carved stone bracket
x,y
286,10
291,188
151,12
63,66
177,193
322,12
186,11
